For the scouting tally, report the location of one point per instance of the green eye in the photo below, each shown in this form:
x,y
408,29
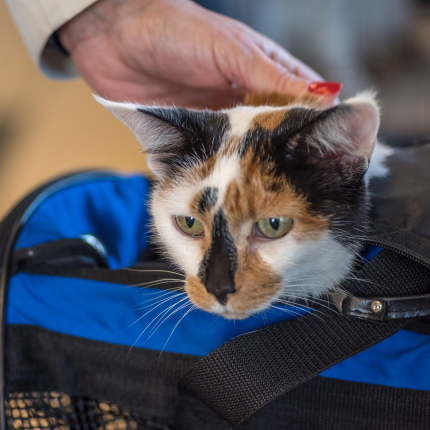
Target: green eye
x,y
190,225
274,227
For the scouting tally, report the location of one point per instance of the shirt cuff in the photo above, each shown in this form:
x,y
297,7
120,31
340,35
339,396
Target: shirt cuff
x,y
37,20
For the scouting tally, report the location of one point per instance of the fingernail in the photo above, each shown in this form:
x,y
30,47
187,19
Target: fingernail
x,y
325,88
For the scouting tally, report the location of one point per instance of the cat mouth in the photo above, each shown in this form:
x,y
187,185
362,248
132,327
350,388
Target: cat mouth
x,y
228,313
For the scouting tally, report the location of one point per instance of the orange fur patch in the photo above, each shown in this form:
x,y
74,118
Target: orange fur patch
x,y
269,120
281,100
198,294
256,284
257,195
204,169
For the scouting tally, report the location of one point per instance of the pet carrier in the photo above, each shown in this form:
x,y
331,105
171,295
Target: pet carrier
x,y
97,335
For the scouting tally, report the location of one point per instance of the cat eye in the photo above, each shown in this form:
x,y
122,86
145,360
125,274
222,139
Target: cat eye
x,y
189,225
273,228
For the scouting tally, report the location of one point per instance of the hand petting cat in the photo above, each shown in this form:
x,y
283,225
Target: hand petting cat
x,y
176,52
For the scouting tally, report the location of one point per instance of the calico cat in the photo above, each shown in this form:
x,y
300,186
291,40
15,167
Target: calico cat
x,y
260,202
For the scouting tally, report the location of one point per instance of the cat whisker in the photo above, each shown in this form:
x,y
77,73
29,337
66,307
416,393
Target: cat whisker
x,y
157,271
154,286
160,302
157,280
161,315
314,301
335,289
299,306
163,290
161,294
307,299
174,328
362,280
164,318
288,311
141,334
340,289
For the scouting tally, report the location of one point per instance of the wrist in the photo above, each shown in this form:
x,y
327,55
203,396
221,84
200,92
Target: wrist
x,y
83,26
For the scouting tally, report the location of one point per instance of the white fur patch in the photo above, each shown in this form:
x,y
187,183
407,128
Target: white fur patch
x,y
377,167
184,250
241,117
310,268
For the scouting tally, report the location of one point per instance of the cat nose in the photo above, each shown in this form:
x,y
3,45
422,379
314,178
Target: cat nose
x,y
221,290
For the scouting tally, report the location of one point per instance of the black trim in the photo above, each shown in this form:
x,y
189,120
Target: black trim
x,y
133,276
421,326
60,253
54,44
382,308
74,258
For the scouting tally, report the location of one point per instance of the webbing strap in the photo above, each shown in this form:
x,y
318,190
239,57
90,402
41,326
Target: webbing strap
x,y
250,371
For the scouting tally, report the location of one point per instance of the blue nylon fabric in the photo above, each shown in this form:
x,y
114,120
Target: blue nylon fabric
x,y
113,210
400,361
369,252
105,312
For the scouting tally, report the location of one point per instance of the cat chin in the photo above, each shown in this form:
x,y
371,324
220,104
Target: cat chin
x,y
228,313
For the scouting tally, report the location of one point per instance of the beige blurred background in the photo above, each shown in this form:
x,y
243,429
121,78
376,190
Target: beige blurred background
x,y
49,128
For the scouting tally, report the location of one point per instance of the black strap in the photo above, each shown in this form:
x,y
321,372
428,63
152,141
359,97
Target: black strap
x,y
61,253
382,308
252,370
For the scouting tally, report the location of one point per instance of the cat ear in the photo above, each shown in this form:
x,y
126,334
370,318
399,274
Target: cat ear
x,y
348,130
160,131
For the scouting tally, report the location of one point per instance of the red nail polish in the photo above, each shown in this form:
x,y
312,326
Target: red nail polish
x,y
325,88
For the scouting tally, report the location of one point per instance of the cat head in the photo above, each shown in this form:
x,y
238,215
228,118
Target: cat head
x,y
257,204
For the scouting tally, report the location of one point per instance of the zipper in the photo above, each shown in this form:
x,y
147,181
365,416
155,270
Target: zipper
x,y
396,250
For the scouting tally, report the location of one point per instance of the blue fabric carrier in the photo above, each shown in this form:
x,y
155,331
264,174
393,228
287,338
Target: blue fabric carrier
x,y
114,210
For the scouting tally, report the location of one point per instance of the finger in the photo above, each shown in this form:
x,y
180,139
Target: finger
x,y
278,54
257,72
328,91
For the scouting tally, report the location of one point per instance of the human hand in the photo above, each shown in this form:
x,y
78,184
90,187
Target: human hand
x,y
176,52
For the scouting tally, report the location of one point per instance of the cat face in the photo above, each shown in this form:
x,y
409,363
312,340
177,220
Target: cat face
x,y
256,204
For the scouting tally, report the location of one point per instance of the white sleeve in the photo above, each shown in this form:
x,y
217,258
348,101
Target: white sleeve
x,y
36,21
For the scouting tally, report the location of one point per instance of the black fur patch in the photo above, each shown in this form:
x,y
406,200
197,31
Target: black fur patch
x,y
208,199
219,265
202,135
332,187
